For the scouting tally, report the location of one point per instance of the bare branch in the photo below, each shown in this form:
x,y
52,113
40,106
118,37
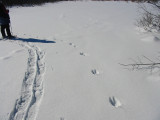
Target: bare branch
x,y
155,4
148,59
140,64
150,20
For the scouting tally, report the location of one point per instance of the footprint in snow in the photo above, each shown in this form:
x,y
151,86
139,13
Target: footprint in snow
x,y
115,102
72,45
95,72
83,54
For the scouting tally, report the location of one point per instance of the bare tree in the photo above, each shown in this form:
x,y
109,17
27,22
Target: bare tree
x,y
150,18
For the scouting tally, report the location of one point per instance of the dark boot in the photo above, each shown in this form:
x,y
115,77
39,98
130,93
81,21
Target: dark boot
x,y
3,31
8,30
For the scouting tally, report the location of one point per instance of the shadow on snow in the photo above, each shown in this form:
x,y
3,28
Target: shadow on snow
x,y
33,40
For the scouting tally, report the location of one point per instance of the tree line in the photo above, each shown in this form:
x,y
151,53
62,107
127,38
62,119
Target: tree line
x,y
39,2
26,2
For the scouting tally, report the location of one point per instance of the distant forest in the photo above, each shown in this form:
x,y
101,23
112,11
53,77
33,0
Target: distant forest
x,y
40,2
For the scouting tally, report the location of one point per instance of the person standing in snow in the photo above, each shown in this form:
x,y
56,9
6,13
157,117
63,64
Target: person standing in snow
x,y
5,21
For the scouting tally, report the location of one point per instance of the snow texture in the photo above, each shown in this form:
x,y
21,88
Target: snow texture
x,y
64,65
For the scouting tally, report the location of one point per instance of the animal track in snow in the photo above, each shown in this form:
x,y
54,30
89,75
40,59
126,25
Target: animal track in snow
x,y
26,107
72,45
115,102
95,72
83,54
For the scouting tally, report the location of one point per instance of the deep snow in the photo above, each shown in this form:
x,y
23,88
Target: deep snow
x,y
70,67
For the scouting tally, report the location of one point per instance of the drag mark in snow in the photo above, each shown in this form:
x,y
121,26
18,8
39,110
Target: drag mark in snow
x,y
10,55
26,107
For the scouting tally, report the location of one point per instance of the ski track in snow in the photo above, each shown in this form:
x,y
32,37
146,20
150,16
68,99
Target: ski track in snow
x,y
26,107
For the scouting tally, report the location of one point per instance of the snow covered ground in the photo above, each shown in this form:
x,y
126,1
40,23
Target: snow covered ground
x,y
65,64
